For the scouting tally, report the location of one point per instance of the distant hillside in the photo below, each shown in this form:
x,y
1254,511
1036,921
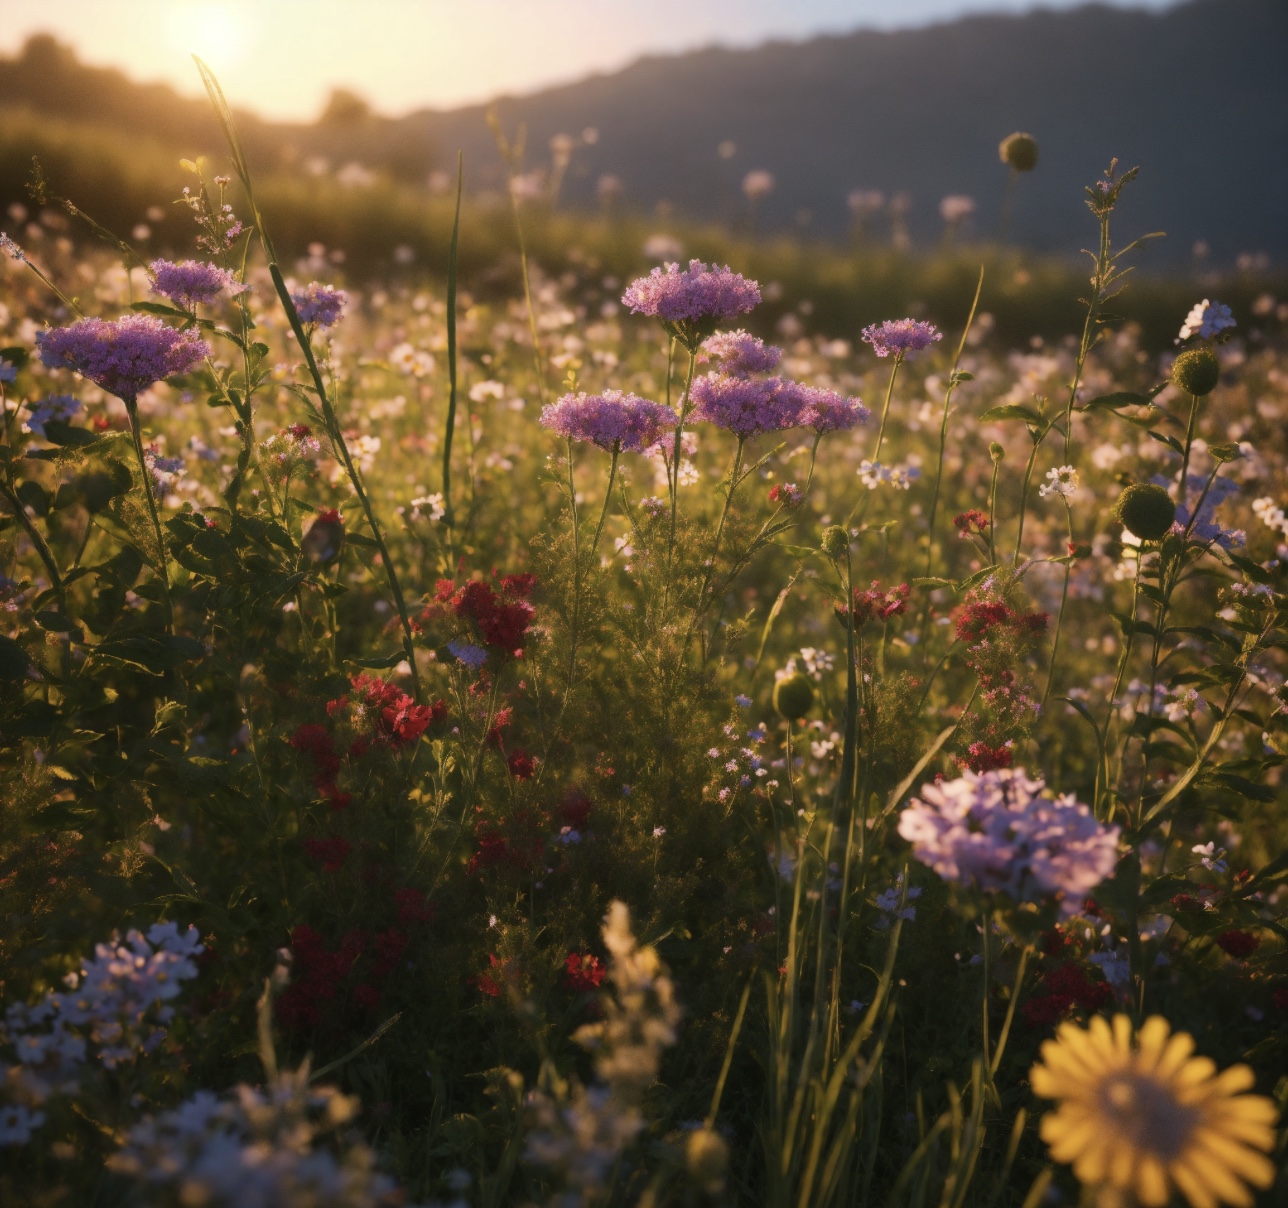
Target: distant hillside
x,y
1197,95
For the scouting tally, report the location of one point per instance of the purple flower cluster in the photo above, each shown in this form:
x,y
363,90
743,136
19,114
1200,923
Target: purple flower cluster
x,y
902,337
826,411
748,406
745,406
189,283
740,353
692,301
612,420
124,356
318,303
992,832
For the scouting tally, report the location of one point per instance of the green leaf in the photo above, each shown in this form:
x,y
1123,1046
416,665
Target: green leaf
x,y
160,308
1010,411
380,663
1119,398
972,581
1170,441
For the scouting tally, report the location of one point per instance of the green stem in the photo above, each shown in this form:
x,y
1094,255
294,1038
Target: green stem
x,y
1024,500
41,546
992,514
608,498
1189,441
1098,284
163,561
1059,618
450,426
885,409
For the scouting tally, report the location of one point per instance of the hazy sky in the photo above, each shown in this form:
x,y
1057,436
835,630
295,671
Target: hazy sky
x,y
282,56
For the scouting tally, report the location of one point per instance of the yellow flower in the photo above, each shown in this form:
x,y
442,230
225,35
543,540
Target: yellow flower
x,y
1148,1118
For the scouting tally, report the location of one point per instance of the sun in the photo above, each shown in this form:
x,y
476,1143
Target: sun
x,y
220,33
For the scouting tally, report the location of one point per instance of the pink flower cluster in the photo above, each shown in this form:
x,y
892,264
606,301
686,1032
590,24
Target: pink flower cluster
x,y
746,406
188,283
740,353
994,833
692,295
826,411
124,356
902,337
612,420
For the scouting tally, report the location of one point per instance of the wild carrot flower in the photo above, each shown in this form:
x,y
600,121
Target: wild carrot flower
x,y
693,301
902,337
124,356
1206,320
745,406
740,354
612,420
189,283
318,303
995,833
1149,1116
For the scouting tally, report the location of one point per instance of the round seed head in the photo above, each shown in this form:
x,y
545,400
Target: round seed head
x,y
794,696
1196,371
1146,510
835,541
1019,151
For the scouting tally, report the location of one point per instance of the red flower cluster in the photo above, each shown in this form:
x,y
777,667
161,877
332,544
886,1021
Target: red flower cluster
x,y
788,494
502,614
522,765
518,843
582,972
1065,988
401,719
487,983
875,604
316,743
330,853
971,524
981,619
1238,944
980,757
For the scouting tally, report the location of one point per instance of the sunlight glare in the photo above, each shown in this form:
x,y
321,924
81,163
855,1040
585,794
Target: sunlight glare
x,y
220,33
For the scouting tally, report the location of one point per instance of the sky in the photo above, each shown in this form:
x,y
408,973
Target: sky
x,y
282,57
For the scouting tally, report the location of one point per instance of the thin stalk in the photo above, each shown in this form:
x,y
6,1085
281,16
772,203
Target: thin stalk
x,y
675,455
38,542
1024,500
608,498
943,424
1059,617
1189,441
450,425
844,785
724,516
1098,284
992,514
163,561
885,409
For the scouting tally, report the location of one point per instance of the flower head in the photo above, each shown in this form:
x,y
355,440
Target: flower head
x,y
1206,320
902,337
124,356
57,408
827,411
740,353
746,406
691,302
612,420
318,303
994,833
189,283
1061,481
1149,1116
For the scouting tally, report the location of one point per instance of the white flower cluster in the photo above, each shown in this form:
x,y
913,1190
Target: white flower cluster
x,y
1271,514
1060,481
256,1149
874,474
817,663
117,1002
580,1133
992,832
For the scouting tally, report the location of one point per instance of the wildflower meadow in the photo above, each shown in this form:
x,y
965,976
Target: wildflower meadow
x,y
560,738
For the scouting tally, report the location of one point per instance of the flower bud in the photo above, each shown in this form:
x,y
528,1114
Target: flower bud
x,y
1145,510
995,451
1019,151
794,696
1196,371
835,541
706,1156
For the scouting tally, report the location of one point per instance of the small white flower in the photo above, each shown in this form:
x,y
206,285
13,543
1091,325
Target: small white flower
x,y
1061,481
1205,320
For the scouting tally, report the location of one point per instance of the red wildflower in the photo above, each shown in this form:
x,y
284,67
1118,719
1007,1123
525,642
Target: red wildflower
x,y
582,972
315,742
875,604
500,721
980,757
329,516
521,764
1186,902
1239,944
300,431
1065,988
575,809
971,524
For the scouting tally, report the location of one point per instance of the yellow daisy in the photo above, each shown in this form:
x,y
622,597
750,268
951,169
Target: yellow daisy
x,y
1148,1117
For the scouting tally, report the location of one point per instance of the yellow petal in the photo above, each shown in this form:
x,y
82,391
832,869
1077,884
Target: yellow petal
x,y
1122,1033
1153,1041
1217,1175
1191,1186
1237,1078
1243,1162
1151,1183
1175,1055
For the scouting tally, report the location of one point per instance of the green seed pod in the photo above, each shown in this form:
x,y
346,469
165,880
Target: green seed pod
x,y
1146,510
835,541
794,696
1019,151
1196,371
995,451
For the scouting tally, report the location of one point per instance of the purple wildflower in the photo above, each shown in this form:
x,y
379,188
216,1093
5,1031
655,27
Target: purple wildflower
x,y
612,420
740,353
903,337
11,249
124,356
318,303
746,406
992,832
189,283
827,411
691,302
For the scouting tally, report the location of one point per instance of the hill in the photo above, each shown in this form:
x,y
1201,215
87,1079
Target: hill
x,y
1196,94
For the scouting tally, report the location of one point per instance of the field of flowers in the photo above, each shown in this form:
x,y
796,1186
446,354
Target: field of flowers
x,y
557,747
